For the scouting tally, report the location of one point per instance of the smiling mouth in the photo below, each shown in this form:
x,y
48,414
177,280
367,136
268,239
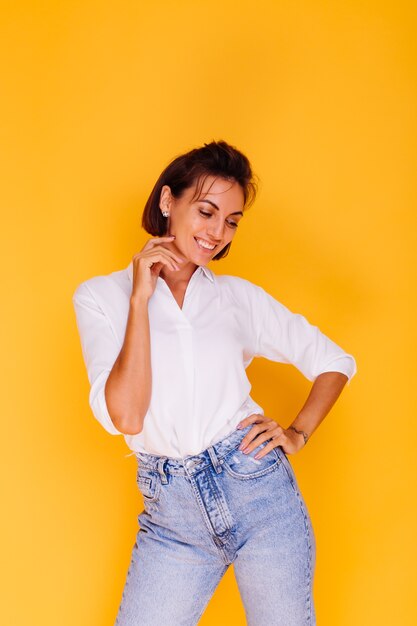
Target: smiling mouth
x,y
203,246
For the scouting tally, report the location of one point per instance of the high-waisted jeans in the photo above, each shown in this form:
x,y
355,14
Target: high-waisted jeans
x,y
204,512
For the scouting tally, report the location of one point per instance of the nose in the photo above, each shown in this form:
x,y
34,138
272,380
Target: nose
x,y
215,231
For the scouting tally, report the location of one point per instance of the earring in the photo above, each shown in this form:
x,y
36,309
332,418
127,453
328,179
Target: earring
x,y
165,213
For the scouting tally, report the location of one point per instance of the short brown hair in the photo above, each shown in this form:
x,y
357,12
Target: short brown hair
x,y
217,158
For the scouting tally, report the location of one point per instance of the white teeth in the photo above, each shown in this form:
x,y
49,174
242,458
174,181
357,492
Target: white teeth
x,y
204,244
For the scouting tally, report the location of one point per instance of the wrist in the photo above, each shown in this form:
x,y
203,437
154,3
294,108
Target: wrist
x,y
300,432
138,302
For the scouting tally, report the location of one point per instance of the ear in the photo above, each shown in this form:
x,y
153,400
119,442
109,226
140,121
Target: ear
x,y
165,198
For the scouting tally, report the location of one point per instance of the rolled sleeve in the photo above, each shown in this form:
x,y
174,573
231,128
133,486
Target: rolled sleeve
x,y
287,337
100,350
345,364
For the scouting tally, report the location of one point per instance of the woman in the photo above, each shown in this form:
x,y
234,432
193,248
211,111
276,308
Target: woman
x,y
166,343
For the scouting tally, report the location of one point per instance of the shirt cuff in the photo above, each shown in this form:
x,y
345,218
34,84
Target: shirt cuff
x,y
344,364
98,404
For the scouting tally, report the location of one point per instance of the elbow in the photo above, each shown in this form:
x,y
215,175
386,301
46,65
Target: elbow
x,y
121,422
131,426
127,424
127,420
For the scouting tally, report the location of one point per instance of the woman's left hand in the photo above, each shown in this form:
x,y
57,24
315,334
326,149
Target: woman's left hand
x,y
266,428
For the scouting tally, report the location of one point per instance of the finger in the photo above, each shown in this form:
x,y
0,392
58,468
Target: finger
x,y
265,423
155,240
254,431
275,440
159,250
158,239
267,449
270,429
163,250
159,256
177,257
254,436
250,419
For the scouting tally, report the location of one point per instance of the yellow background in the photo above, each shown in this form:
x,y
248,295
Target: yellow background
x,y
96,98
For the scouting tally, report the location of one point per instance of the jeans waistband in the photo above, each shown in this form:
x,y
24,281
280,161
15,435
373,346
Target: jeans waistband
x,y
192,464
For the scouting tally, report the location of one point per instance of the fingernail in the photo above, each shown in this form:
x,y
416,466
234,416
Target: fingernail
x,y
242,445
239,426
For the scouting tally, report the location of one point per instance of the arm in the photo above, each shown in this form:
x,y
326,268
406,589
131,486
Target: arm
x,y
323,394
283,336
120,377
128,387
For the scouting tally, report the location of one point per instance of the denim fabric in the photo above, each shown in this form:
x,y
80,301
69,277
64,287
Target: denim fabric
x,y
204,512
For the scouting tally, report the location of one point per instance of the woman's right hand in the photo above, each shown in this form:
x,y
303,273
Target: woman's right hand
x,y
148,263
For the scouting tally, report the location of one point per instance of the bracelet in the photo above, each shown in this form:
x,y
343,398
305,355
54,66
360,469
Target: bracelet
x,y
300,432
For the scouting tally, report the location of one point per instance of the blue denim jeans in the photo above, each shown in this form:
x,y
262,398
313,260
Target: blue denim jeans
x,y
205,512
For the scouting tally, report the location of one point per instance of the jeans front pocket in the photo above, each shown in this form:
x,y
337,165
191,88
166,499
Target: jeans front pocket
x,y
288,468
245,466
149,483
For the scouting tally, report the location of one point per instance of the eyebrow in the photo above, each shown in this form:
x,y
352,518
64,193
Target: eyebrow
x,y
216,207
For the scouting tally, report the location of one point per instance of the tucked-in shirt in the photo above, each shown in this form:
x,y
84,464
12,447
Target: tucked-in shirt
x,y
199,353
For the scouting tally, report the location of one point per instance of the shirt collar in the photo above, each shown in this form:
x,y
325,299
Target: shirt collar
x,y
201,268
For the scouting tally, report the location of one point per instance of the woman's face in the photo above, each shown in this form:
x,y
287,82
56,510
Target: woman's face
x,y
211,221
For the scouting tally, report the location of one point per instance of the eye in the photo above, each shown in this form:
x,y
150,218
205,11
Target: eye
x,y
231,224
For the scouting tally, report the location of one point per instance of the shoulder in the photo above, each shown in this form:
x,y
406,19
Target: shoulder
x,y
108,294
240,288
104,287
251,294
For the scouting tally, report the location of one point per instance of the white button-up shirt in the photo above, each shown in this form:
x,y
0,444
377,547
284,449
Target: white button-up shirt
x,y
199,354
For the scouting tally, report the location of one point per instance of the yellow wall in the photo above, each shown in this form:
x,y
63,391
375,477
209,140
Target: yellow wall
x,y
97,97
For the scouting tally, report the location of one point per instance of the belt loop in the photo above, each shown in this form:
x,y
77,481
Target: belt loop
x,y
160,466
215,460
